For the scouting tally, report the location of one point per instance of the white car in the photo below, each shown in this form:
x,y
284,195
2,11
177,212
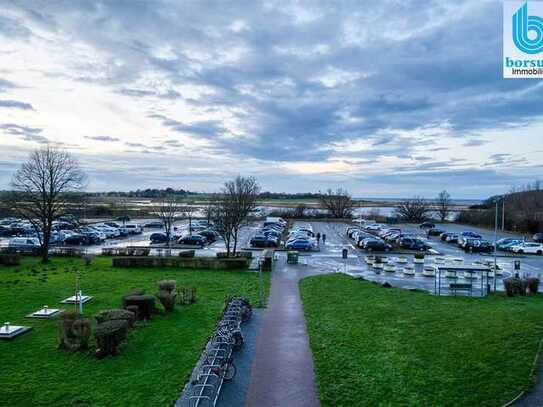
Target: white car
x,y
108,231
133,229
24,243
528,247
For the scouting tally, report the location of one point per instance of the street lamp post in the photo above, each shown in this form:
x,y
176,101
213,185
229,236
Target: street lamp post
x,y
503,213
495,243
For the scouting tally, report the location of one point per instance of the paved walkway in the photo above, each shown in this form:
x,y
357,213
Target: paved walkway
x,y
282,373
534,397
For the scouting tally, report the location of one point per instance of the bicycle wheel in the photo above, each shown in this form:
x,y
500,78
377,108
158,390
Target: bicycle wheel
x,y
228,370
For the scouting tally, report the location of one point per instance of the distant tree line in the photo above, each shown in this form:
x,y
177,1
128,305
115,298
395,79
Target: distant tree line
x,y
521,209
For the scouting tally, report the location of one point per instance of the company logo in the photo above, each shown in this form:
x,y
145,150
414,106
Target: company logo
x,y
527,31
522,39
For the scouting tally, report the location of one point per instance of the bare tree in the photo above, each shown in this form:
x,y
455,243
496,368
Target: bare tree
x,y
339,203
299,211
188,213
41,190
413,210
237,200
444,205
167,210
223,214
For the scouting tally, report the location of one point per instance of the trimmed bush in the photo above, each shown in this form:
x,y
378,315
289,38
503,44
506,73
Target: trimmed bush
x,y
10,259
167,285
419,256
533,285
115,315
145,304
167,299
201,263
74,332
514,286
224,255
109,336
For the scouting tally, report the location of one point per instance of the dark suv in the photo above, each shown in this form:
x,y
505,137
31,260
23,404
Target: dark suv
x,y
196,240
478,246
538,238
427,225
263,241
376,246
413,244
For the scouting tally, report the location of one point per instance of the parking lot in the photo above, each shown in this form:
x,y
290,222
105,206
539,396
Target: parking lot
x,y
329,257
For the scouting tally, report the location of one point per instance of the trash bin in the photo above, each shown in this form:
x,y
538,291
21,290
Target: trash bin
x,y
292,257
344,253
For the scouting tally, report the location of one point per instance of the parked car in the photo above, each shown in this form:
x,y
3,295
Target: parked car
x,y
133,229
263,241
506,243
77,240
375,245
478,246
210,235
435,232
471,234
93,237
452,238
24,244
300,244
427,225
412,243
197,240
538,238
350,230
528,247
158,237
154,224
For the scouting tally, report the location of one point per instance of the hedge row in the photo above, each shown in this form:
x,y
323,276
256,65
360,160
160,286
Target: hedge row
x,y
210,263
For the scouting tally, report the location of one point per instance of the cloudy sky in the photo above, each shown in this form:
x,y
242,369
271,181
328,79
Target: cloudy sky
x,y
386,98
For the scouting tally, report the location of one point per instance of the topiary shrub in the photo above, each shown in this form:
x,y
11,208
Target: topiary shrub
x,y
74,332
115,315
10,259
167,285
533,285
419,256
109,336
514,286
134,310
167,299
144,302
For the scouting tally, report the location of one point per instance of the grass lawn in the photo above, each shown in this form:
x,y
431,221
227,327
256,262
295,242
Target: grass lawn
x,y
378,346
154,363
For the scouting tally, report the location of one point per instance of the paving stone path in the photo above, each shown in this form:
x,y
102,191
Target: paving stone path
x,y
282,373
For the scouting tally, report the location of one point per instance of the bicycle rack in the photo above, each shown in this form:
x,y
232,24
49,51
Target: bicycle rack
x,y
205,385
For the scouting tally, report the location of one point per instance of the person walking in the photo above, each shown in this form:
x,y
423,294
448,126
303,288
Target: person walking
x,y
324,238
318,238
